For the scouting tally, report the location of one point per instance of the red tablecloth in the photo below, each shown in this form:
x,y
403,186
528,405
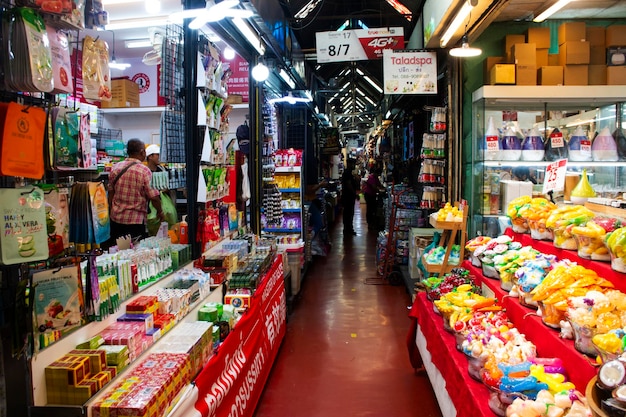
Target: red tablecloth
x,y
469,396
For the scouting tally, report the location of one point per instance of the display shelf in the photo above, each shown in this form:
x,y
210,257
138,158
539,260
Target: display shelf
x,y
281,230
132,110
450,231
294,169
571,164
595,95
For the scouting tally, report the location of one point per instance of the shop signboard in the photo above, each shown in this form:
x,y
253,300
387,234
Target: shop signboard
x,y
231,383
357,44
409,72
238,83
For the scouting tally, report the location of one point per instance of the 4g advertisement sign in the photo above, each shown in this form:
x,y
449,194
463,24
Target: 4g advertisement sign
x,y
409,72
357,44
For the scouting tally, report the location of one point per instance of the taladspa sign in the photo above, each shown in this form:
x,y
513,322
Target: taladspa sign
x,y
409,72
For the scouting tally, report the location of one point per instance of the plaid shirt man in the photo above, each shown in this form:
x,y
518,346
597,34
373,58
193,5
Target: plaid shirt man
x,y
132,192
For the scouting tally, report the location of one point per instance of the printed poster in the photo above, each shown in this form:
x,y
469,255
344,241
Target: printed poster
x,y
409,72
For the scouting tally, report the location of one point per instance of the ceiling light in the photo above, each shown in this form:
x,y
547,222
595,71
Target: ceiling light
x,y
401,8
308,8
137,23
250,35
290,98
551,10
153,6
465,51
119,65
229,53
373,84
456,23
218,11
287,78
260,72
138,43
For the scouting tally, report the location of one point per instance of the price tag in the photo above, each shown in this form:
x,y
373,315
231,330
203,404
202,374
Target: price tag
x,y
357,44
556,140
493,143
555,176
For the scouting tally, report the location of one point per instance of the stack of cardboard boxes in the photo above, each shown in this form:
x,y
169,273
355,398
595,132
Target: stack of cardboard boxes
x,y
588,55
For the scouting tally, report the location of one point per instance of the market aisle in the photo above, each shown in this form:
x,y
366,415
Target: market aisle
x,y
345,350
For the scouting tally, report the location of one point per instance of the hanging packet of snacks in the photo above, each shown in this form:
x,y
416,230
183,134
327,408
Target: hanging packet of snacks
x,y
49,6
26,56
99,212
23,238
23,129
66,126
96,72
57,219
61,64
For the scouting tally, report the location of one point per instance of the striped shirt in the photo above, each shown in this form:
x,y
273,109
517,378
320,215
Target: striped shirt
x,y
132,192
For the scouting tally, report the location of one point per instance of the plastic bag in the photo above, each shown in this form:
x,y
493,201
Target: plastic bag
x,y
169,209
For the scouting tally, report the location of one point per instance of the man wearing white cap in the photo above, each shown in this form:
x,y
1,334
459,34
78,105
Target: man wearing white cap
x,y
152,157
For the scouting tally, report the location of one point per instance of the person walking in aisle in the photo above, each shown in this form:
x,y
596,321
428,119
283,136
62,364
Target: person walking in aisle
x,y
129,194
371,188
349,195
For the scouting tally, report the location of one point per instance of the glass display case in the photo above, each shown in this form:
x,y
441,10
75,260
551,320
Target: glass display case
x,y
517,131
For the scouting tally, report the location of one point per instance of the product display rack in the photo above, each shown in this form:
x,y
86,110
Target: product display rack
x,y
290,204
453,232
543,108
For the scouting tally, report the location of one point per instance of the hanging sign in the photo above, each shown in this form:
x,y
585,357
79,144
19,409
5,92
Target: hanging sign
x,y
409,72
357,44
555,176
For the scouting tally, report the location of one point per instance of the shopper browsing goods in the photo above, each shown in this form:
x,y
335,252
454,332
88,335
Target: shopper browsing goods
x,y
130,192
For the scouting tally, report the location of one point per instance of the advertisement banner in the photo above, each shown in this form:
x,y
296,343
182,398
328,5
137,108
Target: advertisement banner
x,y
231,383
357,44
409,72
238,83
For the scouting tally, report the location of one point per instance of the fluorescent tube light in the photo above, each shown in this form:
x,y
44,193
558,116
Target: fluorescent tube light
x,y
373,84
287,78
308,8
137,23
249,34
119,65
456,23
138,43
551,10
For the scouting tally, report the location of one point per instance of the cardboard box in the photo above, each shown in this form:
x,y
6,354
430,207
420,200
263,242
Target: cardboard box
x,y
539,36
526,75
616,75
125,93
502,74
553,60
575,74
574,53
595,35
597,55
488,63
572,31
524,54
597,74
615,35
509,41
616,56
510,190
550,75
542,58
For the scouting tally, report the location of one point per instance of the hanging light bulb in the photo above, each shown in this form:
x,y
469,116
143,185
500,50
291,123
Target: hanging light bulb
x,y
229,53
260,72
465,50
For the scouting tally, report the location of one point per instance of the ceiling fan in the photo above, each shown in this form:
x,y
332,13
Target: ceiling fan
x,y
216,11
